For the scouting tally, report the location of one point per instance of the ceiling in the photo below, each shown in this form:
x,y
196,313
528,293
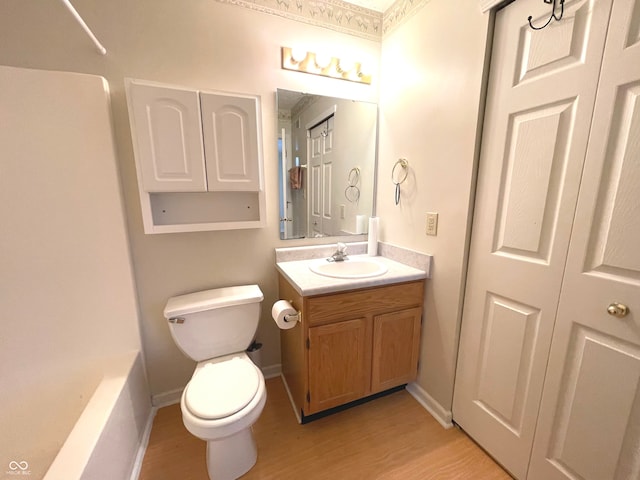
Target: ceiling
x,y
377,5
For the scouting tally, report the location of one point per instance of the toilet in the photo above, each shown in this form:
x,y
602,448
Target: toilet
x,y
226,393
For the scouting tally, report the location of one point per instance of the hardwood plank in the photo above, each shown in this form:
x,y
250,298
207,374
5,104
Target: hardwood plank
x,y
392,437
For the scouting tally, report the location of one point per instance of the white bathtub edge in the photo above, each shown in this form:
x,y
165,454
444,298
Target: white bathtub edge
x,y
77,457
144,443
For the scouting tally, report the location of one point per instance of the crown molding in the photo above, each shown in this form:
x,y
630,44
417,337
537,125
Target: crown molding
x,y
332,14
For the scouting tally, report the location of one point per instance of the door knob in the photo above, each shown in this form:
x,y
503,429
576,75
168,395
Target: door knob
x,y
617,309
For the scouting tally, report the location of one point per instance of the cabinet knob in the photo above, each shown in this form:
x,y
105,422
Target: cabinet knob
x,y
617,309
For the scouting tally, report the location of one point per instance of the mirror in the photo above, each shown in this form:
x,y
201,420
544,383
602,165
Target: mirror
x,y
327,154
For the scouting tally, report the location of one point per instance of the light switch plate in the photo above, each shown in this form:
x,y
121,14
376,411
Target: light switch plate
x,y
432,223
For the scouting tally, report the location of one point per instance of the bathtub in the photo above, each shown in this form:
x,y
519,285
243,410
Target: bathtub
x,y
106,441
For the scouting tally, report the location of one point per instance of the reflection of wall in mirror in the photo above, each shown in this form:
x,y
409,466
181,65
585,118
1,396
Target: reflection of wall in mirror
x,y
354,141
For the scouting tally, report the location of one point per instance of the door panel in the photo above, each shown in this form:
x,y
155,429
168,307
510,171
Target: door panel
x,y
506,358
315,181
561,46
531,186
540,101
589,424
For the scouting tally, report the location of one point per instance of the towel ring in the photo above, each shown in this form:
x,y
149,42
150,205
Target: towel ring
x,y
354,177
352,193
404,164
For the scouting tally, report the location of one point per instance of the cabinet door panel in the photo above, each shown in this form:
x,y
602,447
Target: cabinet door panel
x,y
168,138
231,136
339,363
396,340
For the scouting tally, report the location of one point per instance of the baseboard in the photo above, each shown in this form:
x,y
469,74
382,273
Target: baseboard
x,y
443,416
144,443
272,371
293,404
167,398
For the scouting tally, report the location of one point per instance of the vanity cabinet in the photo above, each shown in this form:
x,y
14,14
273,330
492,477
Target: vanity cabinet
x,y
198,158
350,345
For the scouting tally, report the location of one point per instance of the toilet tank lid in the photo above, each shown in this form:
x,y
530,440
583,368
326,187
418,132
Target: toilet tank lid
x,y
211,299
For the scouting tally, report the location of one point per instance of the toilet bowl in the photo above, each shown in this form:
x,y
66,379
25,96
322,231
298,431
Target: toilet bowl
x,y
222,416
226,393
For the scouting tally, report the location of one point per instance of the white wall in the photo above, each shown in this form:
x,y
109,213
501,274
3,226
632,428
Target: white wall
x,y
67,294
201,44
429,100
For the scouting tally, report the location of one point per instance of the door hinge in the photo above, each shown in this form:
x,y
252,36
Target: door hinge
x,y
308,397
308,344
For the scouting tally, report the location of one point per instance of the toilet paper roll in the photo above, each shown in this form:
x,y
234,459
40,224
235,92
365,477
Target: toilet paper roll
x,y
372,239
284,314
361,224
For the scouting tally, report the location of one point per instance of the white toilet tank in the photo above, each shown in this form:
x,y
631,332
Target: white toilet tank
x,y
216,322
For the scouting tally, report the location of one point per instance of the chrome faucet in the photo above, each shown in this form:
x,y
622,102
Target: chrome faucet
x,y
340,255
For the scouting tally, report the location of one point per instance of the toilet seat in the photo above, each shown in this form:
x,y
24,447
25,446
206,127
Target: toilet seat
x,y
220,389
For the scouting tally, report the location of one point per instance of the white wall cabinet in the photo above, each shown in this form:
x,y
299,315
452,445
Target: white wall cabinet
x,y
198,158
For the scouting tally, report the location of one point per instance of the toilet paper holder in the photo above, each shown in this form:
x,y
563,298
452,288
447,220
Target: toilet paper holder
x,y
297,317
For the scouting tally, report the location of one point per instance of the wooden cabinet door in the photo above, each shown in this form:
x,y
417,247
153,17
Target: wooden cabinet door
x,y
231,132
167,138
339,363
396,343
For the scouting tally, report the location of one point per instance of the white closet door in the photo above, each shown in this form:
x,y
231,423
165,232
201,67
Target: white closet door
x,y
320,154
168,138
327,179
540,102
589,425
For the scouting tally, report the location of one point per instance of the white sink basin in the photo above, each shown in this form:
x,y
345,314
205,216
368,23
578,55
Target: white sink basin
x,y
349,268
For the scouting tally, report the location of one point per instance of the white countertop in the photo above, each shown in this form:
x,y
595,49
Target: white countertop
x,y
308,283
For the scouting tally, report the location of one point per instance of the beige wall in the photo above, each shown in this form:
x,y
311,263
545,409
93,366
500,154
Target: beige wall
x,y
200,44
429,100
429,94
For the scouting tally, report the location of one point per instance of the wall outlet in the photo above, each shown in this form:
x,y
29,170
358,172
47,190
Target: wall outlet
x,y
342,212
432,224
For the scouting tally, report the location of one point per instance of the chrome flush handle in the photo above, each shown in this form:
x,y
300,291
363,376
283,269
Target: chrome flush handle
x,y
178,320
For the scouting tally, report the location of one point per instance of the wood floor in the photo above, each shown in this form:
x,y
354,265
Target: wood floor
x,y
389,438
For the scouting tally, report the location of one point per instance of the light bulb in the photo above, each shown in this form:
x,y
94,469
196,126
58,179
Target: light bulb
x,y
298,54
323,60
345,65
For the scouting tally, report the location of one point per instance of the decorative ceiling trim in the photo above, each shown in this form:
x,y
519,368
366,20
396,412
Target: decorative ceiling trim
x,y
399,12
342,16
333,14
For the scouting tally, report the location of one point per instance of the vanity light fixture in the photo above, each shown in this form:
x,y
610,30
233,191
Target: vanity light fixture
x,y
298,60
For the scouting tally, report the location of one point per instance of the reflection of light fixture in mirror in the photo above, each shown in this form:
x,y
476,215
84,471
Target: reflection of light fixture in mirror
x,y
299,60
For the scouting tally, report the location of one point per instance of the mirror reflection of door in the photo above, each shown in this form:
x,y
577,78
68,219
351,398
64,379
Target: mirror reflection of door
x,y
320,154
